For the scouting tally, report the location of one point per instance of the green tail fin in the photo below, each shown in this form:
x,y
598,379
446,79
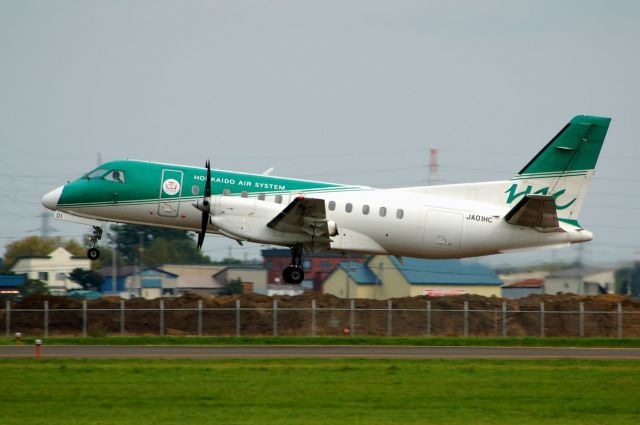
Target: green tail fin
x,y
575,148
563,169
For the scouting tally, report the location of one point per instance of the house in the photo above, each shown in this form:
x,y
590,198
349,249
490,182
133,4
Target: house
x,y
52,269
317,266
581,281
383,277
523,288
254,278
195,278
129,282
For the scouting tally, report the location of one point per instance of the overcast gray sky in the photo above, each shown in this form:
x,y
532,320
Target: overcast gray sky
x,y
346,91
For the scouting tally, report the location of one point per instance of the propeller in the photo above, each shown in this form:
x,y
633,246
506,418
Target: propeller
x,y
205,206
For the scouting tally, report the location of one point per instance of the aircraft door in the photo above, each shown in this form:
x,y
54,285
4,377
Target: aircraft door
x,y
170,193
443,229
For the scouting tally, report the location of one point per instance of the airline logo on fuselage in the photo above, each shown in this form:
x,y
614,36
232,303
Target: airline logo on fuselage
x,y
171,187
513,194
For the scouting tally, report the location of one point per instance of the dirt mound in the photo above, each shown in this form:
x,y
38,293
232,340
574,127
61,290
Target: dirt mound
x,y
553,315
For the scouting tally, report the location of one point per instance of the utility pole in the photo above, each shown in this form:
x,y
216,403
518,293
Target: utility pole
x,y
141,262
114,286
45,226
433,167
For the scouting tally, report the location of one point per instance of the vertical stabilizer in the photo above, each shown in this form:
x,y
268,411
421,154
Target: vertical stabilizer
x,y
563,169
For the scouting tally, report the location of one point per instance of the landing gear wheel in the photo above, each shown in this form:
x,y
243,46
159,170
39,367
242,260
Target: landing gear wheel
x,y
294,275
93,254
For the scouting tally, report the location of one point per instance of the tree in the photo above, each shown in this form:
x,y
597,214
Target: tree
x,y
37,246
33,287
160,245
232,287
628,276
88,279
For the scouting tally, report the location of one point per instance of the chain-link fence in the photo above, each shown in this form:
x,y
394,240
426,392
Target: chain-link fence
x,y
279,319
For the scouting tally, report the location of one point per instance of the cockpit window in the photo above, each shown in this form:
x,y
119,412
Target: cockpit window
x,y
96,174
115,176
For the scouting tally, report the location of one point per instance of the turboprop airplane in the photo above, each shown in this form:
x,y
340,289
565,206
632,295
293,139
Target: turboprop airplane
x,y
537,208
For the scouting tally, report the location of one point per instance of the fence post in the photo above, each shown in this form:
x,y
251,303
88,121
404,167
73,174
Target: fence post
x,y
46,319
199,317
352,318
161,317
275,317
581,319
619,320
389,318
541,320
121,317
504,319
7,317
84,318
428,318
238,317
466,319
313,317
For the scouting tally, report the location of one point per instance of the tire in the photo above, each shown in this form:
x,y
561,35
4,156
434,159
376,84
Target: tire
x,y
293,275
93,254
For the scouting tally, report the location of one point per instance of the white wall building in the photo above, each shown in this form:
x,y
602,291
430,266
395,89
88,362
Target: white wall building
x,y
52,269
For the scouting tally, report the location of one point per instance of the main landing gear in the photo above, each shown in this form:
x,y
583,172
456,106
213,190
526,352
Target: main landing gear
x,y
93,253
294,273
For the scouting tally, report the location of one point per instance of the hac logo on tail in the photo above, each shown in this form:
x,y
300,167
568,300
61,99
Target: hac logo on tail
x,y
513,194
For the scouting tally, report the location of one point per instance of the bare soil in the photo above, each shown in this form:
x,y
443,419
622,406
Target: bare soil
x,y
332,316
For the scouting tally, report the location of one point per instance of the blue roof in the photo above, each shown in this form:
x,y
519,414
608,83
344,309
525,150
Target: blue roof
x,y
12,280
359,273
445,272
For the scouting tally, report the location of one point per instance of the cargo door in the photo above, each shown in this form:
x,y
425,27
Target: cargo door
x,y
443,229
170,193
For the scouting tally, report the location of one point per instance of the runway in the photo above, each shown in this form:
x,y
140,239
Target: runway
x,y
316,351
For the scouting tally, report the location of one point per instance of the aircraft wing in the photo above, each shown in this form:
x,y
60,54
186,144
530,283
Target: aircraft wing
x,y
537,211
304,215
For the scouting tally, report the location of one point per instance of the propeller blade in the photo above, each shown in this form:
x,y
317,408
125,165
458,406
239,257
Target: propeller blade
x,y
203,229
207,183
205,209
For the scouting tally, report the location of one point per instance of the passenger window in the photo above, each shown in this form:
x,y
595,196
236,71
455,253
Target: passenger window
x,y
400,213
383,211
226,192
332,205
115,176
261,196
349,207
365,209
278,199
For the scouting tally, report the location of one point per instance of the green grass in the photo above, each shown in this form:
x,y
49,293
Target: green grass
x,y
286,340
318,392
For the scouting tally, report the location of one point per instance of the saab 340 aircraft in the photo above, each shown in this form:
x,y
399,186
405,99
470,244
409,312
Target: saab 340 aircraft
x,y
537,208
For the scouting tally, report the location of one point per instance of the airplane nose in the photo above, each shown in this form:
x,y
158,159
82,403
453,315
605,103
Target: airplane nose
x,y
50,200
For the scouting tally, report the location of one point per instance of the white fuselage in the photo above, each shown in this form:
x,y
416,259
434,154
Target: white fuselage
x,y
401,222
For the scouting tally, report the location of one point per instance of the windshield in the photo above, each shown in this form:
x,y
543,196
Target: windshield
x,y
97,173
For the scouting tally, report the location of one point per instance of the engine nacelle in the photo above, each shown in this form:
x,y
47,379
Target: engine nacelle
x,y
246,219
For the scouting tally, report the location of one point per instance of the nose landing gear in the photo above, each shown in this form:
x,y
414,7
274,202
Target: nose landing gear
x,y
294,273
93,253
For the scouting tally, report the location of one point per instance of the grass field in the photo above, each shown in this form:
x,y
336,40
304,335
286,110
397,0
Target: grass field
x,y
287,340
318,392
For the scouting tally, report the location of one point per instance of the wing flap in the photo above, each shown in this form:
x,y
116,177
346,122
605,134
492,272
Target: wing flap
x,y
536,211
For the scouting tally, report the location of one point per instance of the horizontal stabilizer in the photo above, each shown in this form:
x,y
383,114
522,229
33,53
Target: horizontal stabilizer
x,y
536,211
